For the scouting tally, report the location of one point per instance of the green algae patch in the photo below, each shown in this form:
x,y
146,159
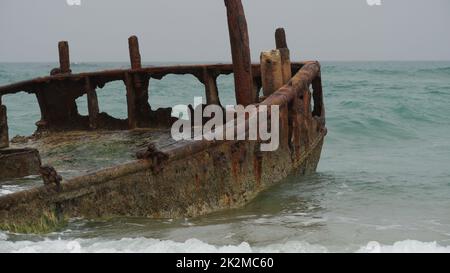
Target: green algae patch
x,y
48,222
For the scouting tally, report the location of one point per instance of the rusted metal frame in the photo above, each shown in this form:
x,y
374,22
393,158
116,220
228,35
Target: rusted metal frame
x,y
40,97
319,107
281,44
280,38
140,83
285,126
135,56
295,97
298,83
26,86
288,112
295,121
271,72
283,97
50,176
71,188
77,184
4,136
40,93
240,51
64,57
143,110
92,103
257,85
111,75
209,79
294,101
31,86
131,101
286,67
219,69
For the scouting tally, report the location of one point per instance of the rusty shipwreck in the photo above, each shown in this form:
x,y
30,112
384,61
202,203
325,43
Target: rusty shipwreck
x,y
166,178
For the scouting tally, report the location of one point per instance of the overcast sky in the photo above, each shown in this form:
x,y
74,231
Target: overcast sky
x,y
196,30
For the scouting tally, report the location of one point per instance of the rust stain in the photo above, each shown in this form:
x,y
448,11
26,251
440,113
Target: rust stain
x,y
257,164
226,174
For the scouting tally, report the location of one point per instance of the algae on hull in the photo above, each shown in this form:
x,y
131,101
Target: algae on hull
x,y
48,222
173,179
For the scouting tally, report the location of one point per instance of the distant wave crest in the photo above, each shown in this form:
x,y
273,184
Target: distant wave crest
x,y
445,70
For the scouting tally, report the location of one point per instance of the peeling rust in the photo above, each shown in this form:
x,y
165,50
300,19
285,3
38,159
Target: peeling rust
x,y
17,163
166,179
257,163
50,176
155,156
238,158
4,136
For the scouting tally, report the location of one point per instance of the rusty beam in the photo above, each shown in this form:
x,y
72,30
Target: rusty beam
x,y
64,58
135,55
131,101
257,85
271,72
140,85
92,103
4,138
42,123
319,107
34,85
240,51
286,67
211,90
298,84
50,176
280,38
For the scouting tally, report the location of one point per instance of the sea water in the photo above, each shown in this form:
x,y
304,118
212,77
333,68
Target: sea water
x,y
382,185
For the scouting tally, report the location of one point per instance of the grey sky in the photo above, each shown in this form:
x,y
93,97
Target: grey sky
x,y
196,30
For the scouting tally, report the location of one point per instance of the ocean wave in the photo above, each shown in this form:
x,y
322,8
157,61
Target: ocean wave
x,y
146,245
385,72
435,69
408,246
369,127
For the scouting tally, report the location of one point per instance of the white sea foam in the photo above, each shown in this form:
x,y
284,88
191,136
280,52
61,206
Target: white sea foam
x,y
127,245
5,192
145,245
8,189
408,246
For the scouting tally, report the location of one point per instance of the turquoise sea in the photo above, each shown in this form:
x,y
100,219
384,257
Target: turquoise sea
x,y
383,183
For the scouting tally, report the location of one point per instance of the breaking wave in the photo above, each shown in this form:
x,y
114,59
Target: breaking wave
x,y
145,245
408,246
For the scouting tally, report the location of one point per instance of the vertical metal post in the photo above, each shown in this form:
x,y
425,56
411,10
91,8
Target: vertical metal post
x,y
131,101
240,51
92,101
64,58
4,138
280,40
135,56
271,72
211,90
